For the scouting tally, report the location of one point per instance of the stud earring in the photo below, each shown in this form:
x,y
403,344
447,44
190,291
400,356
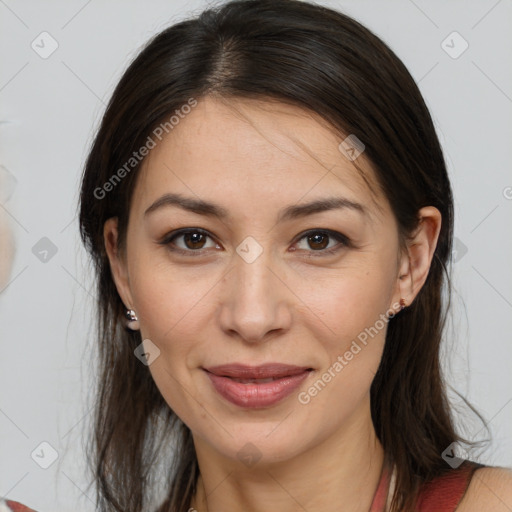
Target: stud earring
x,y
402,304
133,321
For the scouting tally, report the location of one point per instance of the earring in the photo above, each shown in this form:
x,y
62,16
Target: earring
x,y
402,304
133,321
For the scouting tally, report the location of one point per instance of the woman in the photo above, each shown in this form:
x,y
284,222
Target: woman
x,y
270,217
265,194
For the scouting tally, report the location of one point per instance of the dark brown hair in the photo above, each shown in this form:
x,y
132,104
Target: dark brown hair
x,y
323,61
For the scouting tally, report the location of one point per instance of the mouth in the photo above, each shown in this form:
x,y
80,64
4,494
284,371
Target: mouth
x,y
266,372
255,381
256,386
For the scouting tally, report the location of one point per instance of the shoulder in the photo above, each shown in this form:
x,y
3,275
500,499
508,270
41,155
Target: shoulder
x,y
490,488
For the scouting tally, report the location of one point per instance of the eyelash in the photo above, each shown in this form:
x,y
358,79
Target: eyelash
x,y
342,239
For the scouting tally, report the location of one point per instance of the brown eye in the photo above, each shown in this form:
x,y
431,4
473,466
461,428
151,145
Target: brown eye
x,y
188,241
318,241
194,240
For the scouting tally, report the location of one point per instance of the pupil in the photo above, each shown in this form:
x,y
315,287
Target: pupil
x,y
194,238
315,240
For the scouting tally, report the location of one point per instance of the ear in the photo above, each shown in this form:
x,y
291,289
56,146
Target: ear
x,y
117,261
415,264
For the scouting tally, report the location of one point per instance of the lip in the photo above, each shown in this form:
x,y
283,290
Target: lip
x,y
256,395
264,371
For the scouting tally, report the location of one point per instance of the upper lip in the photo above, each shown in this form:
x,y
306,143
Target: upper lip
x,y
264,371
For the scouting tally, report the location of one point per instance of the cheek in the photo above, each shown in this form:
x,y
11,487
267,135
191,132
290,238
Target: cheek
x,y
168,307
351,324
168,300
347,314
175,310
344,303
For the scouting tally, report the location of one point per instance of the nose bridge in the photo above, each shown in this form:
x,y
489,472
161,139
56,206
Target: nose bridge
x,y
253,271
254,304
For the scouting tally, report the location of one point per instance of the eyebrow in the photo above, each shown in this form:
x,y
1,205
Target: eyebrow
x,y
209,209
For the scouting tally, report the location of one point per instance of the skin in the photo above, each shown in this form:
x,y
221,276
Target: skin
x,y
254,158
489,489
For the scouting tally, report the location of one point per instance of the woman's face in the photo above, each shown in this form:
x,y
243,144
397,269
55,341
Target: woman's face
x,y
259,286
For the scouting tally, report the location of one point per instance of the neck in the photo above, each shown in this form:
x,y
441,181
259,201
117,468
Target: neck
x,y
339,473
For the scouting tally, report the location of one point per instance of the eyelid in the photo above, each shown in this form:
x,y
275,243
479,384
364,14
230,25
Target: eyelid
x,y
343,240
169,237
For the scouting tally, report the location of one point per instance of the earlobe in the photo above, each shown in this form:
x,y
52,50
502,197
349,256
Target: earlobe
x,y
118,265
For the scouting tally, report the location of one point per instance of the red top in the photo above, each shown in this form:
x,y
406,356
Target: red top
x,y
9,505
442,494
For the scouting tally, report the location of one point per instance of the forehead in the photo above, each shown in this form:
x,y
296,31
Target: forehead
x,y
255,149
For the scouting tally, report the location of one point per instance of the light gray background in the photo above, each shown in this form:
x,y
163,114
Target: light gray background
x,y
54,106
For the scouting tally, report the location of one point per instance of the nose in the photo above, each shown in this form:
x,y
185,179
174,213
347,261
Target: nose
x,y
255,301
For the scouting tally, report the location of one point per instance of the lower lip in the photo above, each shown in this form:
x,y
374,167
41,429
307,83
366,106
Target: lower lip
x,y
256,395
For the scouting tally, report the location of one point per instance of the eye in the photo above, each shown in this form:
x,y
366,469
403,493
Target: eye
x,y
319,240
193,241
